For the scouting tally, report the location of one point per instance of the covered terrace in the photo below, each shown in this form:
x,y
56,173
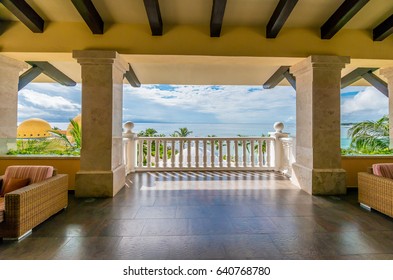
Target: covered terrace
x,y
315,46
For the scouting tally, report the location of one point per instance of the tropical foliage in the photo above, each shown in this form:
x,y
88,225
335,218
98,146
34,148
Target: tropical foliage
x,y
369,137
182,132
60,144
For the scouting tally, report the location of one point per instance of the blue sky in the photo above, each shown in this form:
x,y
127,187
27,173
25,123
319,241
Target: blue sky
x,y
197,104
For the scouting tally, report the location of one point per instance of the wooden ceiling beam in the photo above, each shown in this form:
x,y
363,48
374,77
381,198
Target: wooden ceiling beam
x,y
52,72
376,82
217,17
90,15
28,76
383,30
26,14
276,78
355,75
290,78
131,77
279,17
154,15
341,16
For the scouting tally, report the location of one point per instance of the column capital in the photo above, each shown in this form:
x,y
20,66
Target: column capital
x,y
100,57
320,61
7,62
387,72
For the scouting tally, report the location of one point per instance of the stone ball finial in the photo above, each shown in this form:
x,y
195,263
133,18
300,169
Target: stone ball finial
x,y
278,126
128,126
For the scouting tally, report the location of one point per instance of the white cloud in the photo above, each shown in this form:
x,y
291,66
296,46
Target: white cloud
x,y
369,100
48,101
227,103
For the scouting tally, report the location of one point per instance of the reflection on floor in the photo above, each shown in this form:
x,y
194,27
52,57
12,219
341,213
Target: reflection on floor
x,y
209,215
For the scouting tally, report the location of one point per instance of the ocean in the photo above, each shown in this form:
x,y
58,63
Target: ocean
x,y
221,129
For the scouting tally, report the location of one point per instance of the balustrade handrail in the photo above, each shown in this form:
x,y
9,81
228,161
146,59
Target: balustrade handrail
x,y
166,153
203,138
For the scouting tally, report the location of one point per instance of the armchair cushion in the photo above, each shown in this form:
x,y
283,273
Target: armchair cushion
x,y
34,173
383,169
14,184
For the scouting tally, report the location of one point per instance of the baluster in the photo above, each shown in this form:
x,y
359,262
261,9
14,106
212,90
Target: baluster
x,y
268,152
244,153
212,152
236,153
260,152
164,158
180,153
189,154
220,157
172,153
228,153
204,153
252,152
157,155
148,156
196,153
140,150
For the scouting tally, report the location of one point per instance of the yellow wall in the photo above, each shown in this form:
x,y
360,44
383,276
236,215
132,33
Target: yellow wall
x,y
64,37
64,165
355,164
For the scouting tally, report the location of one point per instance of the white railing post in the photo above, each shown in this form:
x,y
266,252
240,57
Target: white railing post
x,y
129,147
278,152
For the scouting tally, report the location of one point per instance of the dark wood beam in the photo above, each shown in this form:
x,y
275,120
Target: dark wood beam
x,y
154,15
131,77
217,17
340,17
28,76
383,30
279,17
276,78
25,13
290,78
355,75
52,72
90,15
377,82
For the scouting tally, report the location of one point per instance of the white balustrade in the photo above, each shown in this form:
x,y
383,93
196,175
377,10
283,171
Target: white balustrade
x,y
207,153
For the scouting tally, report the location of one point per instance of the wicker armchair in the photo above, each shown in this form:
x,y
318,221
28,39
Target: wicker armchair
x,y
29,206
376,192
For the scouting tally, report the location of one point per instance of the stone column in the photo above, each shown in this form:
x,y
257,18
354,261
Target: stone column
x,y
388,73
318,154
9,79
102,171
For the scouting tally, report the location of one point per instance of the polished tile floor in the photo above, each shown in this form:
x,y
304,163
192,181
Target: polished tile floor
x,y
209,215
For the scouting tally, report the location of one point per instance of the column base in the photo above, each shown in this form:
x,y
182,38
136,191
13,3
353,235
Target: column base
x,y
100,183
321,181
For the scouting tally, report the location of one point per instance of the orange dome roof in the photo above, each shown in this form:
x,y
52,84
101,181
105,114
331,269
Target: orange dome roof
x,y
34,128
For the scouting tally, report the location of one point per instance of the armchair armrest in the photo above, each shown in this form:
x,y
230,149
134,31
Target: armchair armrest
x,y
27,207
376,192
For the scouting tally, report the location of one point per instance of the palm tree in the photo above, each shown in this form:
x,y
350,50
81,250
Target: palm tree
x,y
370,136
148,132
182,132
75,142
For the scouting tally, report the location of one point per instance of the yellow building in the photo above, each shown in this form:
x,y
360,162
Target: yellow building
x,y
34,128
